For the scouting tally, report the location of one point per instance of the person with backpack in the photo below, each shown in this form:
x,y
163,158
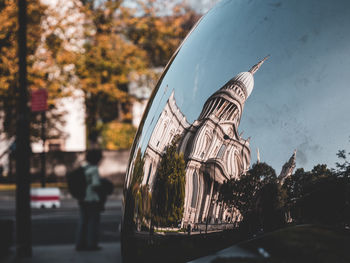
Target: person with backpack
x,y
89,203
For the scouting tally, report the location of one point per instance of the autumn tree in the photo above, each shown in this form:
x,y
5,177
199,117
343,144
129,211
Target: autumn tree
x,y
103,68
122,41
159,35
95,46
44,64
9,58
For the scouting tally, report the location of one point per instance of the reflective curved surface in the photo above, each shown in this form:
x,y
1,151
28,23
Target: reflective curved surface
x,y
242,135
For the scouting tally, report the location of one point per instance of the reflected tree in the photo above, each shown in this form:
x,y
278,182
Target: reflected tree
x,y
302,182
343,166
242,193
169,188
143,200
318,196
266,203
132,193
256,194
270,206
137,175
138,199
140,194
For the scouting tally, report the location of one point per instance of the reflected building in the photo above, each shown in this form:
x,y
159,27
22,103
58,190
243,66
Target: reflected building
x,y
212,147
170,123
187,147
288,168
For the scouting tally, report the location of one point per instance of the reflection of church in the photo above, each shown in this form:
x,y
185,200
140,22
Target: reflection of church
x,y
213,149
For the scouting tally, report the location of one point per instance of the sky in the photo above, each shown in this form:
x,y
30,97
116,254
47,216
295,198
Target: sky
x,y
300,98
201,6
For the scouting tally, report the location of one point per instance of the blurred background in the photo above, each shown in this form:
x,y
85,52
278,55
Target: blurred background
x,y
98,61
91,69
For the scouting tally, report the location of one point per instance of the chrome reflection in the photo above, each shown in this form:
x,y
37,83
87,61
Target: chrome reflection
x,y
176,182
193,184
177,186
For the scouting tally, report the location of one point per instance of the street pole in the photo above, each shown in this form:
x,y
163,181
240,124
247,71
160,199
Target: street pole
x,y
43,154
23,212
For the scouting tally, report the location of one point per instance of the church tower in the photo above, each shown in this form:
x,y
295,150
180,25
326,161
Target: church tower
x,y
215,152
228,102
288,168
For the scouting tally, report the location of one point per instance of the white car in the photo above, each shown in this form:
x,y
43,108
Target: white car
x,y
45,197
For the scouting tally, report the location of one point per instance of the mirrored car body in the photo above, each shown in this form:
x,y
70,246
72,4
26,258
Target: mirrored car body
x,y
246,135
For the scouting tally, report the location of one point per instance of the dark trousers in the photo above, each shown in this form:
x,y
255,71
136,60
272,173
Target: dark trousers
x,y
87,236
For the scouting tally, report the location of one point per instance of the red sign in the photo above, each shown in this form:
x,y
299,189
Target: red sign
x,y
39,100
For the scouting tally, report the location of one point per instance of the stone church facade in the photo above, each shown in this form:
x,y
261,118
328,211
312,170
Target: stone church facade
x,y
213,149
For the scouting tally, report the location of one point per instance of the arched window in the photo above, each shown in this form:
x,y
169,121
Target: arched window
x,y
221,151
239,166
171,136
195,190
163,133
149,173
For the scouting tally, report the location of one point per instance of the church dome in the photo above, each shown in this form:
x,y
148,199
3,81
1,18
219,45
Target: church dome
x,y
247,80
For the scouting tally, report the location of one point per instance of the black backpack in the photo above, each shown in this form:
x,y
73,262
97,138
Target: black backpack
x,y
106,188
77,183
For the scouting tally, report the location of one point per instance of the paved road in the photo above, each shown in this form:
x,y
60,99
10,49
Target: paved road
x,y
110,253
58,226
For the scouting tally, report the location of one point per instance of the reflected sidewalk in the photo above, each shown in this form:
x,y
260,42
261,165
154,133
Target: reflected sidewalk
x,y
66,253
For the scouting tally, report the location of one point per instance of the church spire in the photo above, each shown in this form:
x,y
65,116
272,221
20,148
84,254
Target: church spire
x,y
288,168
256,67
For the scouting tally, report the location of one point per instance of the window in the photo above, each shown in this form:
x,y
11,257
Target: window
x,y
221,151
195,190
149,173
